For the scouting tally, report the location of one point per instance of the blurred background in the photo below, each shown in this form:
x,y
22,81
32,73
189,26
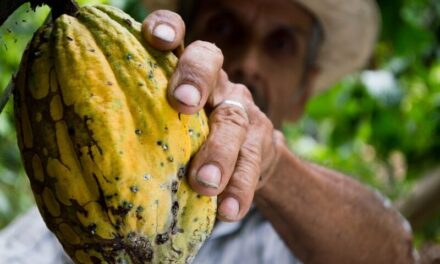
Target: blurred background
x,y
381,126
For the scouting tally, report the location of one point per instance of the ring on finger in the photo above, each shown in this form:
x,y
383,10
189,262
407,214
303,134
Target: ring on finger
x,y
234,103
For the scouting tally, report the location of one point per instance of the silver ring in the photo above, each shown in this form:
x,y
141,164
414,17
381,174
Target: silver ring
x,y
234,103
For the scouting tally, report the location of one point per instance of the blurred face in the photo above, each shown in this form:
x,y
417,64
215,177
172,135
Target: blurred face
x,y
264,43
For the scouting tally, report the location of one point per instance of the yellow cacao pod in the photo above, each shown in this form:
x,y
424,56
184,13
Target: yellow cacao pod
x,y
104,151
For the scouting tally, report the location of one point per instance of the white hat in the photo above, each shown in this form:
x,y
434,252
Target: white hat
x,y
350,30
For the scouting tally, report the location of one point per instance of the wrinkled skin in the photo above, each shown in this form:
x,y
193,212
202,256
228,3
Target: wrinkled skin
x,y
319,213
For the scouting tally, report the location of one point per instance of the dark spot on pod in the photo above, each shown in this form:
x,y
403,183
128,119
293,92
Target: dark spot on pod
x,y
92,228
174,186
129,56
23,20
161,164
150,75
87,118
198,196
139,248
181,173
175,208
78,207
128,22
108,197
170,159
174,228
165,147
69,38
122,209
127,205
109,83
117,178
118,224
198,134
159,143
92,50
71,131
166,128
179,115
190,132
134,189
162,238
138,132
139,210
196,219
140,84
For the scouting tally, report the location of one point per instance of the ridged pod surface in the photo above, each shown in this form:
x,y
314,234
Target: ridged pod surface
x,y
104,151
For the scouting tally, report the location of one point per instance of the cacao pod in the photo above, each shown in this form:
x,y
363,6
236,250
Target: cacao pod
x,y
104,151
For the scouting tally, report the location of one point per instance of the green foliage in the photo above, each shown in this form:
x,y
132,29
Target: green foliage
x,y
383,125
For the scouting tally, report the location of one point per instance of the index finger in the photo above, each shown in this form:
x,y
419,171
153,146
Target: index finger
x,y
195,77
164,30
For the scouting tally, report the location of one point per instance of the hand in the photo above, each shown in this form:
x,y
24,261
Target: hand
x,y
241,150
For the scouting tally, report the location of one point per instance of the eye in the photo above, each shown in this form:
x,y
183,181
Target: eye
x,y
281,42
222,26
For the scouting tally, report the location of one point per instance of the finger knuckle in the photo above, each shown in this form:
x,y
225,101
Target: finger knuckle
x,y
265,121
210,48
232,115
243,92
218,146
251,153
241,184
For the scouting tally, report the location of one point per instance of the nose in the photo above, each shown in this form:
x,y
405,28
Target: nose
x,y
244,66
246,69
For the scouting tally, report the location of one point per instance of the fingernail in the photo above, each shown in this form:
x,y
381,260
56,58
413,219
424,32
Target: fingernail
x,y
210,176
164,32
229,208
187,94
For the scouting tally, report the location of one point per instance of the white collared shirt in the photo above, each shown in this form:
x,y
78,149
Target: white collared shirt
x,y
252,240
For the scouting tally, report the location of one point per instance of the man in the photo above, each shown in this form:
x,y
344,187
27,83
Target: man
x,y
282,209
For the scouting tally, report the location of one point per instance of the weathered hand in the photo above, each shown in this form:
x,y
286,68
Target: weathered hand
x,y
241,149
